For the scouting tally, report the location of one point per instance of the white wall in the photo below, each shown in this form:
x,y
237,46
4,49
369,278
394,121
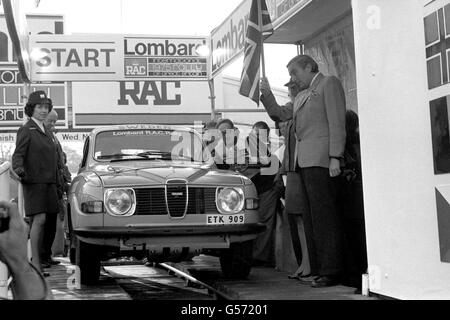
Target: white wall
x,y
397,156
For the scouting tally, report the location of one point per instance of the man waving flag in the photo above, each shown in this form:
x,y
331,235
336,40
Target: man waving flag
x,y
259,28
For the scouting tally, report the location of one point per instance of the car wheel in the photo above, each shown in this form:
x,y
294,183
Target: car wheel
x,y
87,259
72,239
236,262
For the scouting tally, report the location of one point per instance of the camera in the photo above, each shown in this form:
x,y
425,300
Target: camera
x,y
4,220
4,224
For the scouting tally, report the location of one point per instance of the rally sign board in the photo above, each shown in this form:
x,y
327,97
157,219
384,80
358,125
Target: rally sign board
x,y
144,101
76,58
100,57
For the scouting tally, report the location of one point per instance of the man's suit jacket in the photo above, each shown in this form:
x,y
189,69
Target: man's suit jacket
x,y
288,164
319,118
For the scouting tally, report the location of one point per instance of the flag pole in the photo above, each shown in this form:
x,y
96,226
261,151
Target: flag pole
x,y
263,63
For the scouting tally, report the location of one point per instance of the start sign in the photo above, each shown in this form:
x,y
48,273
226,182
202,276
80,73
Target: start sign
x,y
76,58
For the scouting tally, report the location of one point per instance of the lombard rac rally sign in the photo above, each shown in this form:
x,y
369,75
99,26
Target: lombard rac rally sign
x,y
156,57
116,58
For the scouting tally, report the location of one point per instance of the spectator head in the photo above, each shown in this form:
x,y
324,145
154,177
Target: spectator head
x,y
208,132
38,105
302,70
261,131
258,141
229,132
210,125
51,120
261,127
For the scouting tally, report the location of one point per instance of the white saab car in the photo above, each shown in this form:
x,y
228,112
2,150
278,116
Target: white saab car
x,y
146,191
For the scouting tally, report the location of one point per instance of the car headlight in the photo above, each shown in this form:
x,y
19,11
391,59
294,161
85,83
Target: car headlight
x,y
230,200
120,202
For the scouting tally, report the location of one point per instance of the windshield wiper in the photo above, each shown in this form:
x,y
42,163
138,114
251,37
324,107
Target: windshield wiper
x,y
118,155
165,155
154,153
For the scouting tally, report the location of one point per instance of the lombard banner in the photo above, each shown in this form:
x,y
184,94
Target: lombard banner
x,y
165,57
228,39
11,82
142,101
117,58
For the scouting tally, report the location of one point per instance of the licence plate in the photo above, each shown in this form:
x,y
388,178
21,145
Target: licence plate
x,y
219,219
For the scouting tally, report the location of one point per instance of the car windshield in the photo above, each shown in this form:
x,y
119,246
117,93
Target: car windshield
x,y
148,144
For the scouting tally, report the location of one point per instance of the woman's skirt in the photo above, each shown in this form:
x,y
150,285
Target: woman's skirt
x,y
40,198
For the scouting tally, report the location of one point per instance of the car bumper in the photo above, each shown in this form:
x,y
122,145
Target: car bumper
x,y
173,231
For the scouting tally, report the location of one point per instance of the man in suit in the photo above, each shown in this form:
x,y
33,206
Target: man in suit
x,y
319,123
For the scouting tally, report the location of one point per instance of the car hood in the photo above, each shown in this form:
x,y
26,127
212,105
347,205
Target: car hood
x,y
115,175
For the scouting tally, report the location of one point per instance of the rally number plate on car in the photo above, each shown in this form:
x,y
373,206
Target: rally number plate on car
x,y
219,219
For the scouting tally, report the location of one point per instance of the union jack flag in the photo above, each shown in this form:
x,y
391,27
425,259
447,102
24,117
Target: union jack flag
x,y
259,28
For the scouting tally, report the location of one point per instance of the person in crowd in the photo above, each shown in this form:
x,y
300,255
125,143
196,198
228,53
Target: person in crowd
x,y
28,282
228,156
352,204
51,218
35,162
270,188
293,203
210,136
53,237
319,121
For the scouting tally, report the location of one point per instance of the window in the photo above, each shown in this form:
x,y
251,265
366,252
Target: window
x,y
85,153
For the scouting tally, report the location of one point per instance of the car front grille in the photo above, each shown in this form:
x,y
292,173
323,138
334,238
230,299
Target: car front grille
x,y
152,201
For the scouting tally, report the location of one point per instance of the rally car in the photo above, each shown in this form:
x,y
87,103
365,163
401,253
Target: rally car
x,y
150,192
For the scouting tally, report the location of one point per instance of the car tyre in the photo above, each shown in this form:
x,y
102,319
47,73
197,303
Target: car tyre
x,y
73,250
88,261
236,262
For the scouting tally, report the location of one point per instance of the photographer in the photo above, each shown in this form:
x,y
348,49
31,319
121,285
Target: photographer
x,y
28,283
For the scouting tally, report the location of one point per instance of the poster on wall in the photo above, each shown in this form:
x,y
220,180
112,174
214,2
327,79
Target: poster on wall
x,y
11,83
334,51
437,32
145,101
